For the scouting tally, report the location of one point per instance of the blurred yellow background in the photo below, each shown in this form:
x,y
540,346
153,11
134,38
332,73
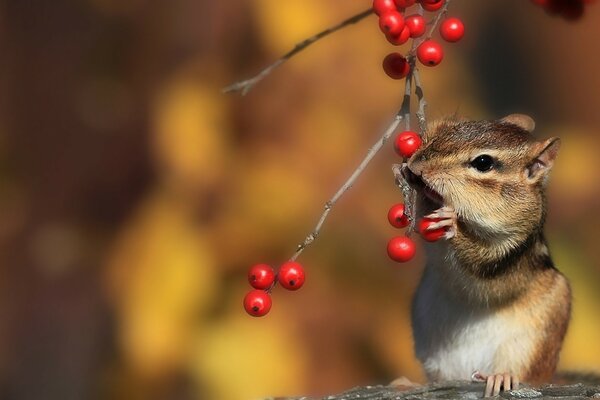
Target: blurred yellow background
x,y
134,195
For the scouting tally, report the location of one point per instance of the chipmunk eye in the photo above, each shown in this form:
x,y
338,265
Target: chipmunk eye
x,y
483,163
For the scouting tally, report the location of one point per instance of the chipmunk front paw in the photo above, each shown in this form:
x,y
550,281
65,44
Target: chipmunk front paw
x,y
447,219
496,383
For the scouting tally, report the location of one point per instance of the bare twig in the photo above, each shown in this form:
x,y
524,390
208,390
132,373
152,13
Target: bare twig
x,y
245,85
422,105
349,182
408,194
407,92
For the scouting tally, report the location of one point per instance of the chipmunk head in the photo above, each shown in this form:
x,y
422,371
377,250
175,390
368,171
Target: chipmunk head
x,y
492,172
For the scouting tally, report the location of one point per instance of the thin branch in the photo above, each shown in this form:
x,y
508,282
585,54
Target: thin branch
x,y
245,86
406,101
350,181
408,194
422,105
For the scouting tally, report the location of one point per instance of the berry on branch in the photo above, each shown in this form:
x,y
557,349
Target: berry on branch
x,y
416,25
432,5
261,276
407,143
380,7
430,53
452,29
291,275
396,66
391,23
401,249
400,39
257,303
396,216
405,3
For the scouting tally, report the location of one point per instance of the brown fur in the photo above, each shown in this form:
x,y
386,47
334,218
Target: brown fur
x,y
498,259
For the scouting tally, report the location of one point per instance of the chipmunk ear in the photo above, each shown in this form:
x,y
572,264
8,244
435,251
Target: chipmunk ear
x,y
521,120
544,154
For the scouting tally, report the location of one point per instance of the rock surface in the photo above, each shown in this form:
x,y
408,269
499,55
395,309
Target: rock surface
x,y
461,390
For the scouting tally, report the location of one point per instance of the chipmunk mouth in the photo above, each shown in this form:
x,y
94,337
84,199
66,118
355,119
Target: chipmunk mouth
x,y
417,183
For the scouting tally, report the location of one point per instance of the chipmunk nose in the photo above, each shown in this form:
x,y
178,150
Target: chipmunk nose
x,y
415,167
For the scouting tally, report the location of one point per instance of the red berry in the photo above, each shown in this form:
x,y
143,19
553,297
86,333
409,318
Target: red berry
x,y
400,39
416,25
391,23
401,249
407,143
382,6
291,275
405,3
452,29
257,303
261,276
432,5
396,66
397,217
433,235
430,53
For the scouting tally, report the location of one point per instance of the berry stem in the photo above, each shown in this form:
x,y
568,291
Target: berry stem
x,y
407,93
437,20
420,113
438,17
408,195
246,85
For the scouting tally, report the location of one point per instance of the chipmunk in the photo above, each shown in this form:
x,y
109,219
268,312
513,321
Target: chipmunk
x,y
490,305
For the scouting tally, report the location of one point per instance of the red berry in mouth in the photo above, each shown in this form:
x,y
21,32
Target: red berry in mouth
x,y
407,143
291,275
401,249
396,66
430,53
391,23
416,25
257,303
432,5
261,276
380,7
396,216
433,235
452,30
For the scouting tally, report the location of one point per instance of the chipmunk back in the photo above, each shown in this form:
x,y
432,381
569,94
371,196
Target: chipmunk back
x,y
491,302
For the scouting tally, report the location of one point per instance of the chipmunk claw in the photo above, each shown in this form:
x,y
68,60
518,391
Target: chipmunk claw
x,y
443,213
447,219
496,382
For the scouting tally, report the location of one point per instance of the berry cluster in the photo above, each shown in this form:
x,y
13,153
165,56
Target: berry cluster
x,y
263,278
402,248
568,9
399,28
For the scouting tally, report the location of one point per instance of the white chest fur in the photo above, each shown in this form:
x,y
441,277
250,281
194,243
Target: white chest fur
x,y
453,340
